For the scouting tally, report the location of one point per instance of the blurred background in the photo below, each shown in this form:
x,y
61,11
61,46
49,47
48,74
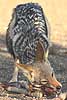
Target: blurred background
x,y
55,11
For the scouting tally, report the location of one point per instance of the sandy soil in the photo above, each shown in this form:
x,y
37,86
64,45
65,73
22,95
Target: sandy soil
x,y
56,13
57,57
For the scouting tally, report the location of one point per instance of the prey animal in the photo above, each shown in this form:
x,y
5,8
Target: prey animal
x,y
27,40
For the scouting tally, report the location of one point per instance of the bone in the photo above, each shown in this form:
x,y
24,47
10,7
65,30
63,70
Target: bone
x,y
63,96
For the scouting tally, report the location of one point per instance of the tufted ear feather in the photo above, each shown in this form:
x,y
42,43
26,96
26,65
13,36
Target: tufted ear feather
x,y
39,52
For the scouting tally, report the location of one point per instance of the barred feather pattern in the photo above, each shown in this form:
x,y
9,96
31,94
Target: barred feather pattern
x,y
27,27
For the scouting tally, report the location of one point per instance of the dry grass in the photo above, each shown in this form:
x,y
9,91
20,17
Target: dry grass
x,y
55,11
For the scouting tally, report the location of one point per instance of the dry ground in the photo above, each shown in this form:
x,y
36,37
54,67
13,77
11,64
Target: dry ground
x,y
56,13
57,57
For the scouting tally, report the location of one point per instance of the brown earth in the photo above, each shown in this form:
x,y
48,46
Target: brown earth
x,y
56,13
57,57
